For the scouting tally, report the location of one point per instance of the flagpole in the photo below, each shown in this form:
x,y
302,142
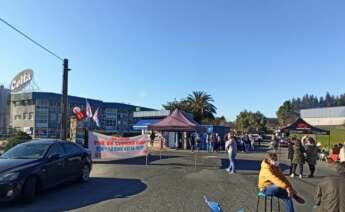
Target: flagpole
x,y
88,116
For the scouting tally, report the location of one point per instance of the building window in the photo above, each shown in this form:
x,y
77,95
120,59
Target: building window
x,y
42,115
31,116
25,116
18,103
53,117
42,103
17,117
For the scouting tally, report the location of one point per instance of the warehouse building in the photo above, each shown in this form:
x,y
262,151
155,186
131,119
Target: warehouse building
x,y
328,116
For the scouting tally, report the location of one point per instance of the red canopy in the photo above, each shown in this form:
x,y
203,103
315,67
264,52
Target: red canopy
x,y
177,121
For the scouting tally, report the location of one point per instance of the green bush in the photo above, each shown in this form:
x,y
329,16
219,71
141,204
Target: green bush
x,y
18,138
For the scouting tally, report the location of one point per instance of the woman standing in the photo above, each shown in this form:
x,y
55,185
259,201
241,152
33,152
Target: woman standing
x,y
298,158
312,155
231,148
290,152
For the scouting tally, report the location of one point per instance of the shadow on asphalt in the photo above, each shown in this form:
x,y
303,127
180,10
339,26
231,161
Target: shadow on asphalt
x,y
248,165
135,161
71,196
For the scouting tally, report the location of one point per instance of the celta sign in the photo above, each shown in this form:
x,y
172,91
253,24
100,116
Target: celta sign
x,y
21,80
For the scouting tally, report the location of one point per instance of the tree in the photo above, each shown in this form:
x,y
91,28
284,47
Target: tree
x,y
247,121
180,105
215,121
291,108
329,100
286,113
200,104
259,121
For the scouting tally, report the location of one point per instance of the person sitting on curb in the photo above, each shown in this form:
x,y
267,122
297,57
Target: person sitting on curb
x,y
334,154
330,195
273,182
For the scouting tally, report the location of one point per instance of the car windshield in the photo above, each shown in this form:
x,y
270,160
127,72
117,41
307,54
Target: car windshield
x,y
27,151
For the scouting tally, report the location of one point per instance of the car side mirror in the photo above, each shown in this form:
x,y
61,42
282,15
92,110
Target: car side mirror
x,y
53,157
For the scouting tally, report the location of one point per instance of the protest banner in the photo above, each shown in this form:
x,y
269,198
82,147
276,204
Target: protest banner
x,y
110,147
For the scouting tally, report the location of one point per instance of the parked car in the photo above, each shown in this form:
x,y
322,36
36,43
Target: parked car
x,y
255,136
40,164
283,143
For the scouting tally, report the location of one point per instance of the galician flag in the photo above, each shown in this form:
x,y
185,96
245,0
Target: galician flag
x,y
95,117
88,110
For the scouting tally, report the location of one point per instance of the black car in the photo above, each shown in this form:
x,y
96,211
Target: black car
x,y
41,164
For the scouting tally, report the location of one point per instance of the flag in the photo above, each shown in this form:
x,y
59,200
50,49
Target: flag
x,y
88,110
95,117
78,113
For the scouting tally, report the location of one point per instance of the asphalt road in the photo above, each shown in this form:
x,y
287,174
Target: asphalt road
x,y
170,184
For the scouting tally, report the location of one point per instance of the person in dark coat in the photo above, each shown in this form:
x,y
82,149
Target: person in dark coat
x,y
330,195
312,155
192,142
152,138
298,158
290,152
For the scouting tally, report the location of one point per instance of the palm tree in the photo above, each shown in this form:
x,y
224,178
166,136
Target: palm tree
x,y
180,105
200,104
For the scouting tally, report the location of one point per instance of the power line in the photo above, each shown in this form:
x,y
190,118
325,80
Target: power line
x,y
32,40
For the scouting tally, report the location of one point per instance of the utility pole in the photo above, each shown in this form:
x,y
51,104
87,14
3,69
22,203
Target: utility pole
x,y
63,133
64,117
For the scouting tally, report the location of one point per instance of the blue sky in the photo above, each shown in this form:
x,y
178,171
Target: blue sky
x,y
247,54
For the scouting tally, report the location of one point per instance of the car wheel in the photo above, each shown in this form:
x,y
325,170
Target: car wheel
x,y
29,190
85,174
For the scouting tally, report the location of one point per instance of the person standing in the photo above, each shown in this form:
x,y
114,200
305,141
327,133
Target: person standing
x,y
197,142
192,142
342,154
305,140
252,142
208,142
330,195
246,142
275,143
205,137
152,138
219,142
259,141
290,152
298,159
312,155
216,142
213,142
231,148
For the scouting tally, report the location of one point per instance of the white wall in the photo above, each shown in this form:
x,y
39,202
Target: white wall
x,y
334,121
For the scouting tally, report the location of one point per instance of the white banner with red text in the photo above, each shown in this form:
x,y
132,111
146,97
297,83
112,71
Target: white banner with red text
x,y
110,147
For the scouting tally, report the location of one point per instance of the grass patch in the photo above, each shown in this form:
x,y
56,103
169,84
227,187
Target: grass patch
x,y
337,136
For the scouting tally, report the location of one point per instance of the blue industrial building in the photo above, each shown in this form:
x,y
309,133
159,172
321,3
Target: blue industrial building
x,y
39,113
